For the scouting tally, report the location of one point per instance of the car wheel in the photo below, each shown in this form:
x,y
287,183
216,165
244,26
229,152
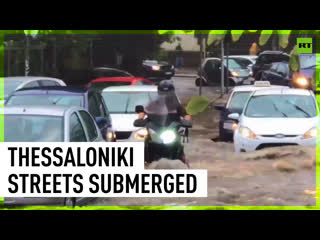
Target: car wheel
x,y
198,82
70,202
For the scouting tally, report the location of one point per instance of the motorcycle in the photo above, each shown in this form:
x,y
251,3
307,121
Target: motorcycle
x,y
164,136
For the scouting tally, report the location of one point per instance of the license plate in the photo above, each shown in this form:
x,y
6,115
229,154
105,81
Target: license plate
x,y
168,73
227,125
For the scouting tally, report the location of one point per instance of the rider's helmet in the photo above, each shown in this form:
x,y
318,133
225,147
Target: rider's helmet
x,y
165,86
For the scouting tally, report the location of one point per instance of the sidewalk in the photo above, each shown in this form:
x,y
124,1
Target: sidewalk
x,y
186,72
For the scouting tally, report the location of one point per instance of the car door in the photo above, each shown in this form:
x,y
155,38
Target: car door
x,y
90,127
77,132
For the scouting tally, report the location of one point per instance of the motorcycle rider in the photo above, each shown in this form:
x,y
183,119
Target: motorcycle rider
x,y
167,97
165,110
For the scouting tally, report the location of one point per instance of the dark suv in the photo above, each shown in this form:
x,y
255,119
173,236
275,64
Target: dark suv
x,y
265,60
89,99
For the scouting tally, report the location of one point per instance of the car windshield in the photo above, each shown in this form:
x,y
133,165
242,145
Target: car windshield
x,y
281,106
307,60
66,100
238,101
126,102
33,128
234,64
102,85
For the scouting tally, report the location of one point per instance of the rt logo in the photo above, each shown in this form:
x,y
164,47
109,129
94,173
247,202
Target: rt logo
x,y
304,45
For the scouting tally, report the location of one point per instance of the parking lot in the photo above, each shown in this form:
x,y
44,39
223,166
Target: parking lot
x,y
283,176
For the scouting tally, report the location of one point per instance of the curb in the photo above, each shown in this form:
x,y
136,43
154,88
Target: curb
x,y
186,75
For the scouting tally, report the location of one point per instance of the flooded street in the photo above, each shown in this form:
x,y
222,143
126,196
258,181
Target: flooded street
x,y
282,176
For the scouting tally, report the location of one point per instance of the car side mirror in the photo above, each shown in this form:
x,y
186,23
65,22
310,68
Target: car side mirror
x,y
234,116
139,109
220,106
102,122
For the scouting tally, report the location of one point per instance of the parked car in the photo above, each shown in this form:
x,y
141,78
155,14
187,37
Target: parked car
x,y
303,77
12,84
211,72
121,102
157,70
89,99
49,124
277,117
102,83
235,103
278,74
265,60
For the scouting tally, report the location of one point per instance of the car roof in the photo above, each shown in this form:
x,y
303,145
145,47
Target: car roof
x,y
273,52
283,91
54,90
251,88
57,111
144,88
29,78
116,79
243,56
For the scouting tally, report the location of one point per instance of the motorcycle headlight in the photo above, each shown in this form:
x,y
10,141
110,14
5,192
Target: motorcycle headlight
x,y
168,136
155,68
247,133
312,133
141,134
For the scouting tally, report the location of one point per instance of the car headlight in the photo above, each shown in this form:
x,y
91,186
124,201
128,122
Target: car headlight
x,y
141,134
155,68
247,133
302,81
110,136
234,74
234,126
168,136
312,133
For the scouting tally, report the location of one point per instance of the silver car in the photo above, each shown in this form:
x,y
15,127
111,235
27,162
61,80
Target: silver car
x,y
12,84
49,124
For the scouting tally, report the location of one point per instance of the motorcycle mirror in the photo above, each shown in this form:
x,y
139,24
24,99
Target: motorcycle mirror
x,y
139,109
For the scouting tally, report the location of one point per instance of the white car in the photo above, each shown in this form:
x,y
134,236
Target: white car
x,y
12,84
235,104
122,101
277,117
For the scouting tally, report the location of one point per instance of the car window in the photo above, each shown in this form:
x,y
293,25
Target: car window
x,y
94,106
238,101
102,106
89,124
49,83
283,69
32,84
77,133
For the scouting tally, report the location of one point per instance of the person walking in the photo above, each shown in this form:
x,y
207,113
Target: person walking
x,y
179,57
